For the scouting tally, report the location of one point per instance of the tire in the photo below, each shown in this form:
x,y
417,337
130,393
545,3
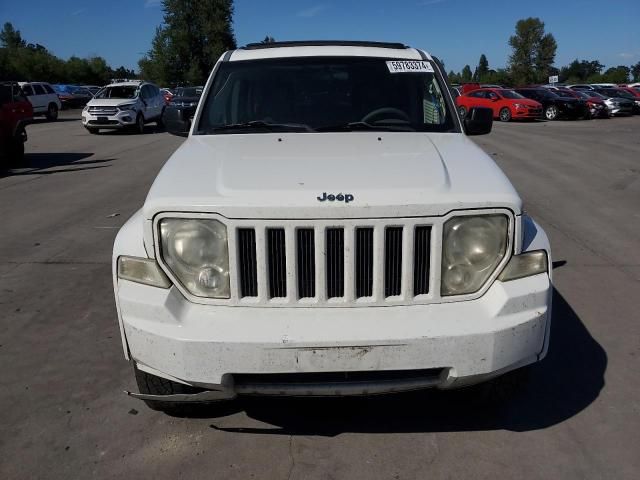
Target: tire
x,y
93,131
462,111
505,115
52,112
139,128
16,151
152,385
502,389
159,121
551,112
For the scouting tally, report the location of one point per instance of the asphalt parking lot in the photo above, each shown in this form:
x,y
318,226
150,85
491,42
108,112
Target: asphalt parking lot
x,y
63,414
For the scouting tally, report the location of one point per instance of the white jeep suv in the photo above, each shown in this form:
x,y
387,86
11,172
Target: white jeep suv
x,y
124,105
329,228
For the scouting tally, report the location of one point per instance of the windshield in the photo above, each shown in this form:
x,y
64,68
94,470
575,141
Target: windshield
x,y
510,94
189,92
323,94
118,92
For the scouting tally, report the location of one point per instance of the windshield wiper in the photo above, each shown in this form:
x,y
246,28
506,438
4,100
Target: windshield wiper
x,y
354,126
259,124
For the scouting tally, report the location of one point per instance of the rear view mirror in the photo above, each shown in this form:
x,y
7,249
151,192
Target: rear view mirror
x,y
478,121
174,123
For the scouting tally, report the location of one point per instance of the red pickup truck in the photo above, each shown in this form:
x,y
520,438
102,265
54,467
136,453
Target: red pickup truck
x,y
15,114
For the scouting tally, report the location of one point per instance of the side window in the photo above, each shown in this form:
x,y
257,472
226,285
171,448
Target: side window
x,y
5,94
491,95
48,89
477,94
39,90
433,110
156,90
28,90
144,92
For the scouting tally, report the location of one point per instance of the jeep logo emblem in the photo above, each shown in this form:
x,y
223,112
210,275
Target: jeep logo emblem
x,y
346,198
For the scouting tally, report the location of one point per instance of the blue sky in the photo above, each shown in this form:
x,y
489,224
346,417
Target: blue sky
x,y
457,31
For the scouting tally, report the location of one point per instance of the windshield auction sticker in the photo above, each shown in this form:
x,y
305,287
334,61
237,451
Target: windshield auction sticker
x,y
409,66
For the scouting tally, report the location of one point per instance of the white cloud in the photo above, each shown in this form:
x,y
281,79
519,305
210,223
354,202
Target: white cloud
x,y
310,12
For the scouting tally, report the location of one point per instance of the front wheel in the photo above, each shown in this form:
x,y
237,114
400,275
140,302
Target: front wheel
x,y
16,151
462,111
505,115
52,112
139,123
551,112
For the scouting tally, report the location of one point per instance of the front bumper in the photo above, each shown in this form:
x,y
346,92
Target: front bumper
x,y
121,119
206,346
527,113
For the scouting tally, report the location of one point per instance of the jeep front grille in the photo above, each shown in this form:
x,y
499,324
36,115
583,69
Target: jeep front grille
x,y
103,110
309,265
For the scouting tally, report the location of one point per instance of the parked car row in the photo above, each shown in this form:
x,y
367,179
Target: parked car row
x,y
550,102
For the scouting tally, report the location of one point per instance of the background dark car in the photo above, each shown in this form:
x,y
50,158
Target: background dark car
x,y
619,93
182,106
595,103
71,96
555,106
15,113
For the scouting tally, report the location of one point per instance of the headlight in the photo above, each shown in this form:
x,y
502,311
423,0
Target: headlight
x,y
525,265
473,246
519,105
197,253
128,106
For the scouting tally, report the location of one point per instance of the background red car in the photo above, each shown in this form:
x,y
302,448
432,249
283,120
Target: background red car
x,y
506,104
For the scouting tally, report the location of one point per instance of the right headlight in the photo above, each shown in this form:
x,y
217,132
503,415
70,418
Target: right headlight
x,y
472,248
197,253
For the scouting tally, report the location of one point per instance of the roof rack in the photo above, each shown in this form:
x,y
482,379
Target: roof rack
x,y
324,43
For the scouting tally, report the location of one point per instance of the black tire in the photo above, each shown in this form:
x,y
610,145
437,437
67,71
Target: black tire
x,y
152,385
139,127
15,151
93,131
462,111
160,121
52,112
551,112
505,115
502,389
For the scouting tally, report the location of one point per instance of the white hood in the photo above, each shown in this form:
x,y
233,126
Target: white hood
x,y
282,175
110,102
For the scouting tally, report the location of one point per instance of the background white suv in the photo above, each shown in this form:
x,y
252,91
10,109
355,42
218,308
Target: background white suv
x,y
43,98
124,105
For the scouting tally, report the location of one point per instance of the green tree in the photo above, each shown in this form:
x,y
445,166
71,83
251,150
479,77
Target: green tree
x,y
10,37
192,37
533,52
579,71
635,71
466,75
619,74
482,69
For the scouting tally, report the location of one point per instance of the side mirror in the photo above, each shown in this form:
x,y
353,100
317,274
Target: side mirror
x,y
174,122
478,121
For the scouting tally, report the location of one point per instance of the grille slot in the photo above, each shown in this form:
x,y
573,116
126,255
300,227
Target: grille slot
x,y
306,270
421,248
392,261
247,262
277,263
364,262
335,262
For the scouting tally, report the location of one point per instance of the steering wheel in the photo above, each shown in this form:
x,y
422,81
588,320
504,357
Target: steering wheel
x,y
399,114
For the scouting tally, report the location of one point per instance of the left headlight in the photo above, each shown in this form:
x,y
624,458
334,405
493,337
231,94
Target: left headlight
x,y
197,253
472,248
127,107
